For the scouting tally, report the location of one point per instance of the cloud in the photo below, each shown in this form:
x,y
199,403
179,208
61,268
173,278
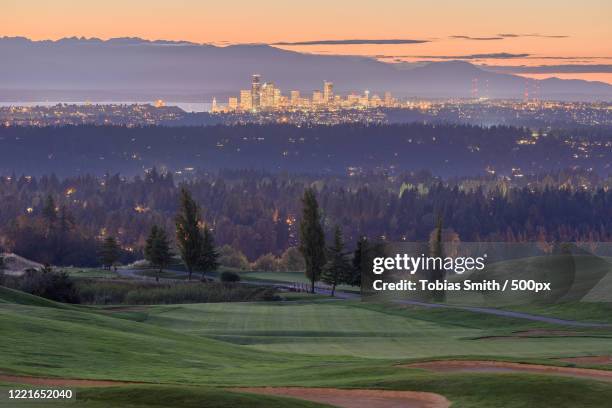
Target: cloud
x,y
495,55
467,37
554,69
352,42
513,35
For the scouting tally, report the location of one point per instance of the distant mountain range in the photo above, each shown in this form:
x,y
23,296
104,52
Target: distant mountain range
x,y
137,69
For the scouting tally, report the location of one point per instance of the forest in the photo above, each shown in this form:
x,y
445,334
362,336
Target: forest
x,y
61,221
446,150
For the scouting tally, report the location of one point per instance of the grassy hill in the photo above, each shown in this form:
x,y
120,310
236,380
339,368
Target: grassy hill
x,y
186,352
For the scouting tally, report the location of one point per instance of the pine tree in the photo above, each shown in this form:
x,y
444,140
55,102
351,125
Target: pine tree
x,y
209,257
157,249
188,235
338,268
435,251
49,213
109,252
359,260
312,239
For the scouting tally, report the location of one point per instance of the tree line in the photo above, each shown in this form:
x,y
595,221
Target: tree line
x,y
63,221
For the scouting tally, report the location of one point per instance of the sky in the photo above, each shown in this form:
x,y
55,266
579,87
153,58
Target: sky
x,y
571,39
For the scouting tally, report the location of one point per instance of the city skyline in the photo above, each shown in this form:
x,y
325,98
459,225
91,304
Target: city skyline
x,y
536,40
267,96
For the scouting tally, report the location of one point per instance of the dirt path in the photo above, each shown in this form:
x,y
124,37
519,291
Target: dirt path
x,y
506,367
60,382
357,398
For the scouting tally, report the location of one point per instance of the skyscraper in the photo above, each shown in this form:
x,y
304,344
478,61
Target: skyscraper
x,y
256,91
328,92
295,98
232,103
266,95
245,99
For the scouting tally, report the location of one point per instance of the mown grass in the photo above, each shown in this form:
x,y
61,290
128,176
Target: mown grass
x,y
140,396
89,272
597,312
320,343
372,330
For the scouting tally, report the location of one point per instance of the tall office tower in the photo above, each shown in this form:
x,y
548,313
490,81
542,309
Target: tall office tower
x,y
266,98
328,91
388,99
256,91
214,107
245,100
317,97
276,99
232,103
295,98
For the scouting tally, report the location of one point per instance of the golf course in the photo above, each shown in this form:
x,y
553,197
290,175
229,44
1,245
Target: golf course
x,y
301,351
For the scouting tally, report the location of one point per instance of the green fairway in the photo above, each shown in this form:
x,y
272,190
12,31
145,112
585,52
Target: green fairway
x,y
177,349
285,277
90,272
357,329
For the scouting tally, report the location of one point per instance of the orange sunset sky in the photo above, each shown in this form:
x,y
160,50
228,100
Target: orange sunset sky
x,y
566,36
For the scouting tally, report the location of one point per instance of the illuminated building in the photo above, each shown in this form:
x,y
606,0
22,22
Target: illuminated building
x,y
245,100
232,103
295,98
267,95
256,91
364,100
388,99
317,98
328,91
375,102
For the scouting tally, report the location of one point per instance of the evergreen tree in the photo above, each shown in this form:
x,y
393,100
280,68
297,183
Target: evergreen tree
x,y
188,235
359,262
312,239
337,270
49,213
157,249
437,274
209,257
109,252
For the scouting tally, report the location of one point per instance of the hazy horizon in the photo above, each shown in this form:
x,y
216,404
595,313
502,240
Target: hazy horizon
x,y
541,40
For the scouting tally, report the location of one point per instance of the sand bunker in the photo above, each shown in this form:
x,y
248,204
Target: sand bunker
x,y
505,367
357,398
59,382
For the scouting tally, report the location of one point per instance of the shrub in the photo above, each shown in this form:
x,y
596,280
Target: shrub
x,y
292,260
227,276
141,293
232,258
99,292
46,283
198,293
267,262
